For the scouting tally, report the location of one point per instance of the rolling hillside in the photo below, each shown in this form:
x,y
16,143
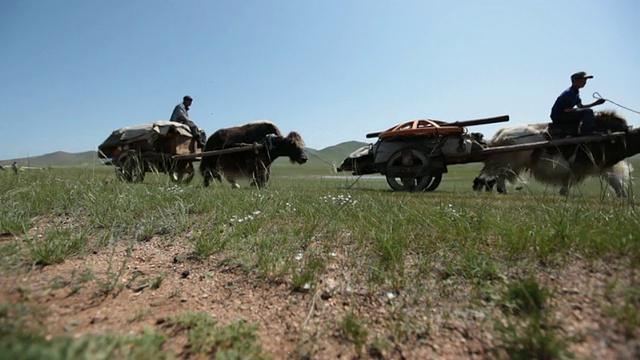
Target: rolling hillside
x,y
332,154
57,159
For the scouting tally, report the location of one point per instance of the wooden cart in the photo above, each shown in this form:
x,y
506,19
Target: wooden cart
x,y
152,147
162,146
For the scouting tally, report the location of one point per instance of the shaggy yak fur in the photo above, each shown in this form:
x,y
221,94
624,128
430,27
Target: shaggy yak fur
x,y
252,163
565,165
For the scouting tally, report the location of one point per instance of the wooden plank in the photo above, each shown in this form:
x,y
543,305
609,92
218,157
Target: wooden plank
x,y
550,143
232,150
491,120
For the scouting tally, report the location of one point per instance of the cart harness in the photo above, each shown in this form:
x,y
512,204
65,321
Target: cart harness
x,y
268,141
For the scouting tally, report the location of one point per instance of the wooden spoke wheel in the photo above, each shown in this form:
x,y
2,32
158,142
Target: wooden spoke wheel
x,y
130,167
182,172
404,170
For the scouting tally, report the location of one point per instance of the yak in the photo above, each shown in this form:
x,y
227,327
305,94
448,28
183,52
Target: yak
x,y
254,163
564,165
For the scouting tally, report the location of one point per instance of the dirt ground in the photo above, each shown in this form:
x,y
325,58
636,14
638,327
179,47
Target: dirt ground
x,y
303,324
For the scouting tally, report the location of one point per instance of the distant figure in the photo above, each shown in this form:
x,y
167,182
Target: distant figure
x,y
181,114
568,107
15,167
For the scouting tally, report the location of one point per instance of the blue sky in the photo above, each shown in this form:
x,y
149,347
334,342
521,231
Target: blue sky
x,y
72,71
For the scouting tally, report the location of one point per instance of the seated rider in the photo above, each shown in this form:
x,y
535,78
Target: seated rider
x,y
568,107
181,114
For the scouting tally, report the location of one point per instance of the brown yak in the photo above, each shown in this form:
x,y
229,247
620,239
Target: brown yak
x,y
250,164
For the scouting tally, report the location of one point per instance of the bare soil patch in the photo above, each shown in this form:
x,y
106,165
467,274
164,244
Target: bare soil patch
x,y
158,280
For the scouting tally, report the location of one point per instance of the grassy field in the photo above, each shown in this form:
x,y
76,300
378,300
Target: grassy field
x,y
313,268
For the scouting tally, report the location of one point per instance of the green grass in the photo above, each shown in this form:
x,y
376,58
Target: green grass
x,y
296,228
530,331
21,337
236,340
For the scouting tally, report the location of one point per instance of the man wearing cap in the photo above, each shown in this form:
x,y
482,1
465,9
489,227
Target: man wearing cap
x,y
569,108
181,114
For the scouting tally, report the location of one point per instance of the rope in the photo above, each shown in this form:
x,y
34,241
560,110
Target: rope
x,y
333,165
596,95
353,183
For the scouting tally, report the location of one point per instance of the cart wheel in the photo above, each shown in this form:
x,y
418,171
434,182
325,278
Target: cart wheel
x,y
403,168
434,183
182,173
130,167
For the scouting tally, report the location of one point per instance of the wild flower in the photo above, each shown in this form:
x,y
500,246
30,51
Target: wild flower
x,y
290,207
339,200
237,219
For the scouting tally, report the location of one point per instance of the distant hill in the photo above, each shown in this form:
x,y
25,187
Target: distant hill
x,y
332,154
340,151
57,159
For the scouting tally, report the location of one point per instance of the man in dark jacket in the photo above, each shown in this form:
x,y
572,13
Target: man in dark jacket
x,y
181,114
569,108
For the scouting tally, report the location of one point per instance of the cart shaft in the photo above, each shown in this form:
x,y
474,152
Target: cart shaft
x,y
230,150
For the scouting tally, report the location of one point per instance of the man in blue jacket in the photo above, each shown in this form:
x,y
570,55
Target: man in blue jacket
x,y
568,107
181,114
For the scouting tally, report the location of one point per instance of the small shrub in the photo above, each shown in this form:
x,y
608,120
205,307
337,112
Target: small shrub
x,y
535,339
354,331
208,243
56,246
627,314
306,277
157,281
525,297
237,340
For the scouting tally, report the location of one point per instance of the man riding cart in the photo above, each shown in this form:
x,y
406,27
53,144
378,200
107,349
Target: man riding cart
x,y
180,114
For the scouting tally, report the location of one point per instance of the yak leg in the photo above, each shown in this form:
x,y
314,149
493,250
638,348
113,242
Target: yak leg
x,y
490,184
482,182
501,185
260,177
260,174
504,174
617,184
211,175
478,183
232,180
566,184
208,177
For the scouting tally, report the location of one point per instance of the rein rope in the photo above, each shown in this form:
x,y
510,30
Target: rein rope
x,y
335,171
596,95
333,165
